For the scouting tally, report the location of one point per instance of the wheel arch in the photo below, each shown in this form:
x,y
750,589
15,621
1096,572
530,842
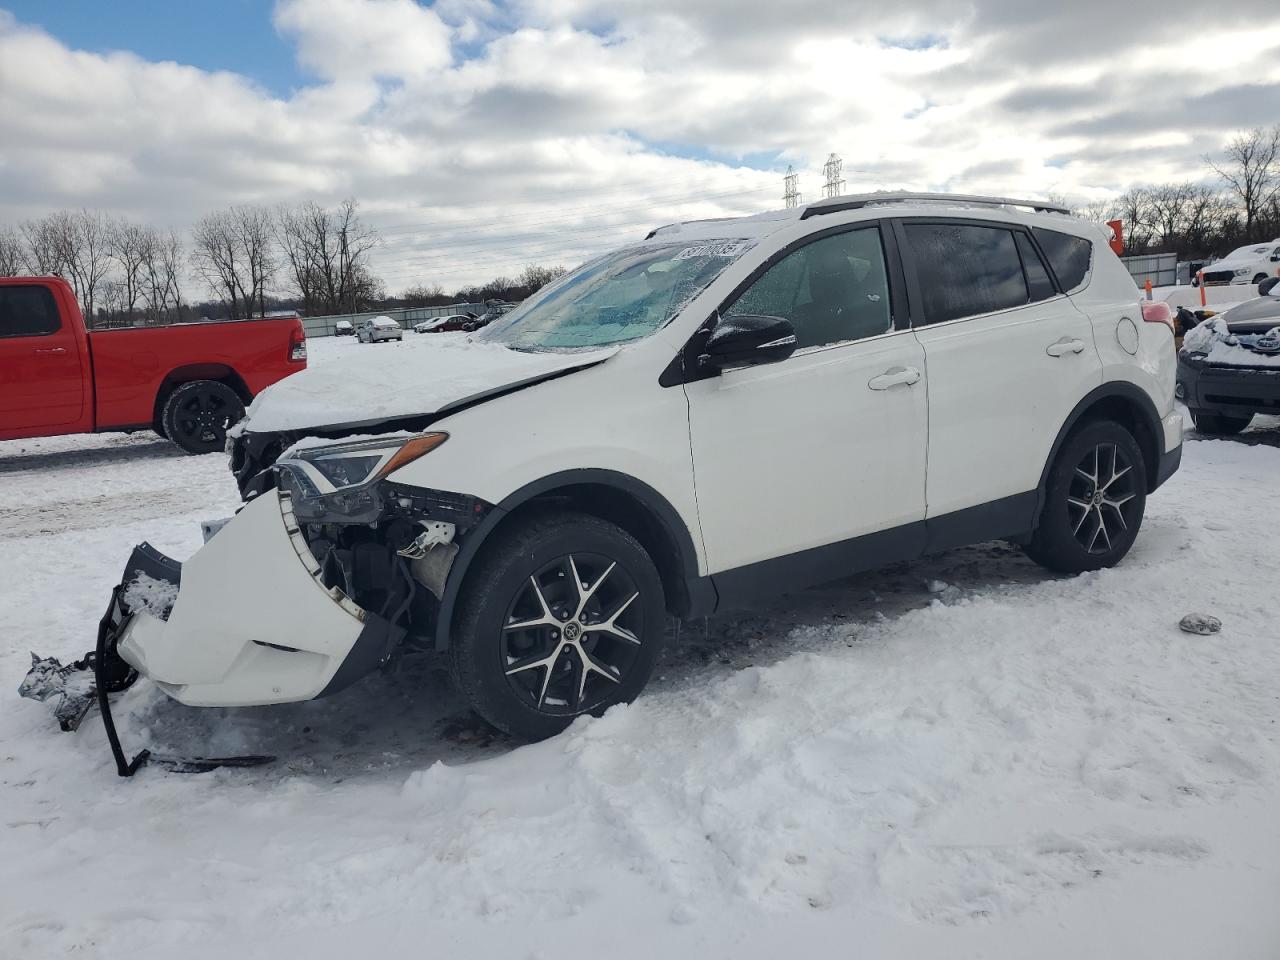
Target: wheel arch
x,y
616,497
221,372
1125,403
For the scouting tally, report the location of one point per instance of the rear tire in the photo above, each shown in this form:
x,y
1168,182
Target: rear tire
x,y
198,414
531,650
1220,424
1094,501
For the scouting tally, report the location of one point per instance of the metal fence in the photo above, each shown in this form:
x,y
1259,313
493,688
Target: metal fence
x,y
405,316
1160,268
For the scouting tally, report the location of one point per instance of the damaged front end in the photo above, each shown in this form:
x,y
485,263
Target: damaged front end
x,y
311,585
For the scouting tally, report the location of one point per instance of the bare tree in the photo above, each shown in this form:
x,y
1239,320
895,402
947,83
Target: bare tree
x,y
1134,208
1251,170
1169,203
42,253
327,255
235,254
72,245
162,259
128,245
12,260
535,276
423,295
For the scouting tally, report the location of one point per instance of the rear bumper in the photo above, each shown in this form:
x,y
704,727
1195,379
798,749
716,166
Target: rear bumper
x,y
252,622
1231,391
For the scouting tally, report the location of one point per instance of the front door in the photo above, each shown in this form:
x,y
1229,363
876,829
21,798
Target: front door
x,y
41,375
794,459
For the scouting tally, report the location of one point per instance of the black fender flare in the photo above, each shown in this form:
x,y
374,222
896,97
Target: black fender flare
x,y
700,591
1119,389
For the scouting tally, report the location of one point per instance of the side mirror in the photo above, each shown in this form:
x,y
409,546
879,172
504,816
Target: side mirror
x,y
746,340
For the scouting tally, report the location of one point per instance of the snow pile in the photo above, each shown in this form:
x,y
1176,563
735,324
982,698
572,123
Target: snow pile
x,y
1214,339
417,376
150,595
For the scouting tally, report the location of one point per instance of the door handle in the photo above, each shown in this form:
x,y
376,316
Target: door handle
x,y
894,376
1064,345
51,349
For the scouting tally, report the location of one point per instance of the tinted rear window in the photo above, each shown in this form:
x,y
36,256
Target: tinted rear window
x,y
1070,257
965,270
27,311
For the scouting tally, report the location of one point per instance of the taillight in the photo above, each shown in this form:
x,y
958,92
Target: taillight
x,y
1159,313
298,345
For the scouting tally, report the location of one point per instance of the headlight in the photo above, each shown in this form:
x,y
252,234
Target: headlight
x,y
341,466
1242,271
1194,357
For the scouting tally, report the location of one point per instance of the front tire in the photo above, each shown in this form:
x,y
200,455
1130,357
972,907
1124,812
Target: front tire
x,y
1094,501
1220,424
198,414
563,615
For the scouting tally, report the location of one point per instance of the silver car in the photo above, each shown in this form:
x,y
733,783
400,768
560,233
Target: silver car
x,y
379,328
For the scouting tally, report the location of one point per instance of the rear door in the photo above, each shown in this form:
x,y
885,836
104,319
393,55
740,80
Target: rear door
x,y
42,375
1008,356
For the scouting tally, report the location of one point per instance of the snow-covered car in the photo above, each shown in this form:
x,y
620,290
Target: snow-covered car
x,y
376,329
457,321
344,328
1229,367
721,411
1246,265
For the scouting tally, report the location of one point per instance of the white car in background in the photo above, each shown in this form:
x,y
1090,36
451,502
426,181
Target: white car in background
x,y
721,411
379,328
1245,265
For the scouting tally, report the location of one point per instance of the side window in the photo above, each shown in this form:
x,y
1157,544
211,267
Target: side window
x,y
965,269
1038,281
832,290
27,311
1070,257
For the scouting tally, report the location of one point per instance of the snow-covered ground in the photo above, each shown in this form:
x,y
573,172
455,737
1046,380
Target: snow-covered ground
x,y
959,757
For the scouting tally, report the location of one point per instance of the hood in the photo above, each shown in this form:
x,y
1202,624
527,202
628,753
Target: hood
x,y
422,377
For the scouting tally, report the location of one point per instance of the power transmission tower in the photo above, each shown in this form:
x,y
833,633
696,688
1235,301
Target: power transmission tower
x,y
831,170
790,191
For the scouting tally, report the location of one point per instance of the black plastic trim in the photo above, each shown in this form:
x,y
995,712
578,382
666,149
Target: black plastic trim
x,y
1169,463
1120,389
371,648
1007,518
700,590
742,586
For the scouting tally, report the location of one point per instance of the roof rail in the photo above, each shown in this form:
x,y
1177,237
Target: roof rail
x,y
858,201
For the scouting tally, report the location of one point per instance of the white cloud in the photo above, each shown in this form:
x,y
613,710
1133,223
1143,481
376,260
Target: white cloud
x,y
482,137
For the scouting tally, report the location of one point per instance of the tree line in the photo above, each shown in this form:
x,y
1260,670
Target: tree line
x,y
1239,204
251,258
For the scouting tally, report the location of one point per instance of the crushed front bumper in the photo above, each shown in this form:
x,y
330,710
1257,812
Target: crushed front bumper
x,y
252,622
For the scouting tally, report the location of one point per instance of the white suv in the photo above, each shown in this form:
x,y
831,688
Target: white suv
x,y
723,410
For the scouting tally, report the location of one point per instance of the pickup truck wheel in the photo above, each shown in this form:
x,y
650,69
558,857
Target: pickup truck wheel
x,y
1218,423
197,415
562,616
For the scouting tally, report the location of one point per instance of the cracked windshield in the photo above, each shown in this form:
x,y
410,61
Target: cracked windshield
x,y
622,296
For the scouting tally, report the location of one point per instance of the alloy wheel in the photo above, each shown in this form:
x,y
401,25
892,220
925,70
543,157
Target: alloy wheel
x,y
1102,498
572,633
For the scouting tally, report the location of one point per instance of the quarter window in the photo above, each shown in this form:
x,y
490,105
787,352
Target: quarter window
x,y
832,290
965,270
27,311
1070,257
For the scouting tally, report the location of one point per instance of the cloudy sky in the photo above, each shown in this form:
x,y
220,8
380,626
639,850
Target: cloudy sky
x,y
480,136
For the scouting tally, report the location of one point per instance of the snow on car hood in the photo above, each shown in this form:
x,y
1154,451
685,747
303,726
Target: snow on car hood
x,y
419,377
1219,345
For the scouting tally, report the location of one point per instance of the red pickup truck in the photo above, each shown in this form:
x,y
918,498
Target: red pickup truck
x,y
188,382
